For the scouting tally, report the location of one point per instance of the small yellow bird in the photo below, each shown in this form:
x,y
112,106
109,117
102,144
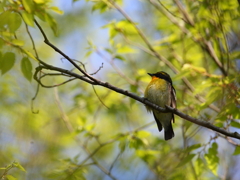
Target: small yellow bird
x,y
161,92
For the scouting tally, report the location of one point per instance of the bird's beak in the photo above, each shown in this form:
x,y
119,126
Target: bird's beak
x,y
150,74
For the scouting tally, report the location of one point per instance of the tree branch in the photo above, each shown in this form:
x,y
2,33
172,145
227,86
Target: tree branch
x,y
89,79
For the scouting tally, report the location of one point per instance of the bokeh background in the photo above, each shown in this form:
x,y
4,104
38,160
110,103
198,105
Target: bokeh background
x,y
77,131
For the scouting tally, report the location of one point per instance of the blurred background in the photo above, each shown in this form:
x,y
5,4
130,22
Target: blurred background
x,y
77,131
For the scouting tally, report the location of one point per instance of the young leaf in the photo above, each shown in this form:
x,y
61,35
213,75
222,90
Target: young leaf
x,y
26,68
28,5
7,62
19,166
29,54
10,177
56,10
237,151
28,18
17,42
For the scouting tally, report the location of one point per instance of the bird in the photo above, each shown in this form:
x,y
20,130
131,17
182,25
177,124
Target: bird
x,y
161,92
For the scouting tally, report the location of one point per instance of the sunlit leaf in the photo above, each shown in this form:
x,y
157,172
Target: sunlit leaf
x,y
28,5
10,177
142,134
17,42
28,18
237,151
19,166
212,158
40,1
125,49
56,10
101,6
29,54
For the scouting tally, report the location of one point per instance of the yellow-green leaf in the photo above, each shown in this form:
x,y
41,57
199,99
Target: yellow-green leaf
x,y
28,5
237,151
26,68
10,177
7,62
143,134
19,166
28,18
17,42
56,10
40,1
30,54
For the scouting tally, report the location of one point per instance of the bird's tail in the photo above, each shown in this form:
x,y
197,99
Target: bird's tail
x,y
168,132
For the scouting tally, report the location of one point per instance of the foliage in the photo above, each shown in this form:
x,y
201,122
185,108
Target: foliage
x,y
80,131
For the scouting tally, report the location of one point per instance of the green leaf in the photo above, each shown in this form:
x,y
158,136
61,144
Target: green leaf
x,y
199,166
10,177
28,5
126,27
101,6
1,43
17,42
235,124
143,134
52,23
193,147
28,18
120,57
26,68
56,10
187,159
213,94
125,49
11,19
237,151
4,18
15,22
122,144
29,54
212,158
7,62
40,1
90,127
1,59
147,155
88,54
19,166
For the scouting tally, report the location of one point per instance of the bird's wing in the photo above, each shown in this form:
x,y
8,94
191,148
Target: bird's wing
x,y
173,99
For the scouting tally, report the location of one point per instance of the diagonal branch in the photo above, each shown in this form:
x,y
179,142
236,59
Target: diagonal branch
x,y
89,79
140,99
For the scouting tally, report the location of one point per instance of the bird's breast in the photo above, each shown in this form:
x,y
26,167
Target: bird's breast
x,y
158,92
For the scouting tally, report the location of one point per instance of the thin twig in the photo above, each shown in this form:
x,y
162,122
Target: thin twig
x,y
99,97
